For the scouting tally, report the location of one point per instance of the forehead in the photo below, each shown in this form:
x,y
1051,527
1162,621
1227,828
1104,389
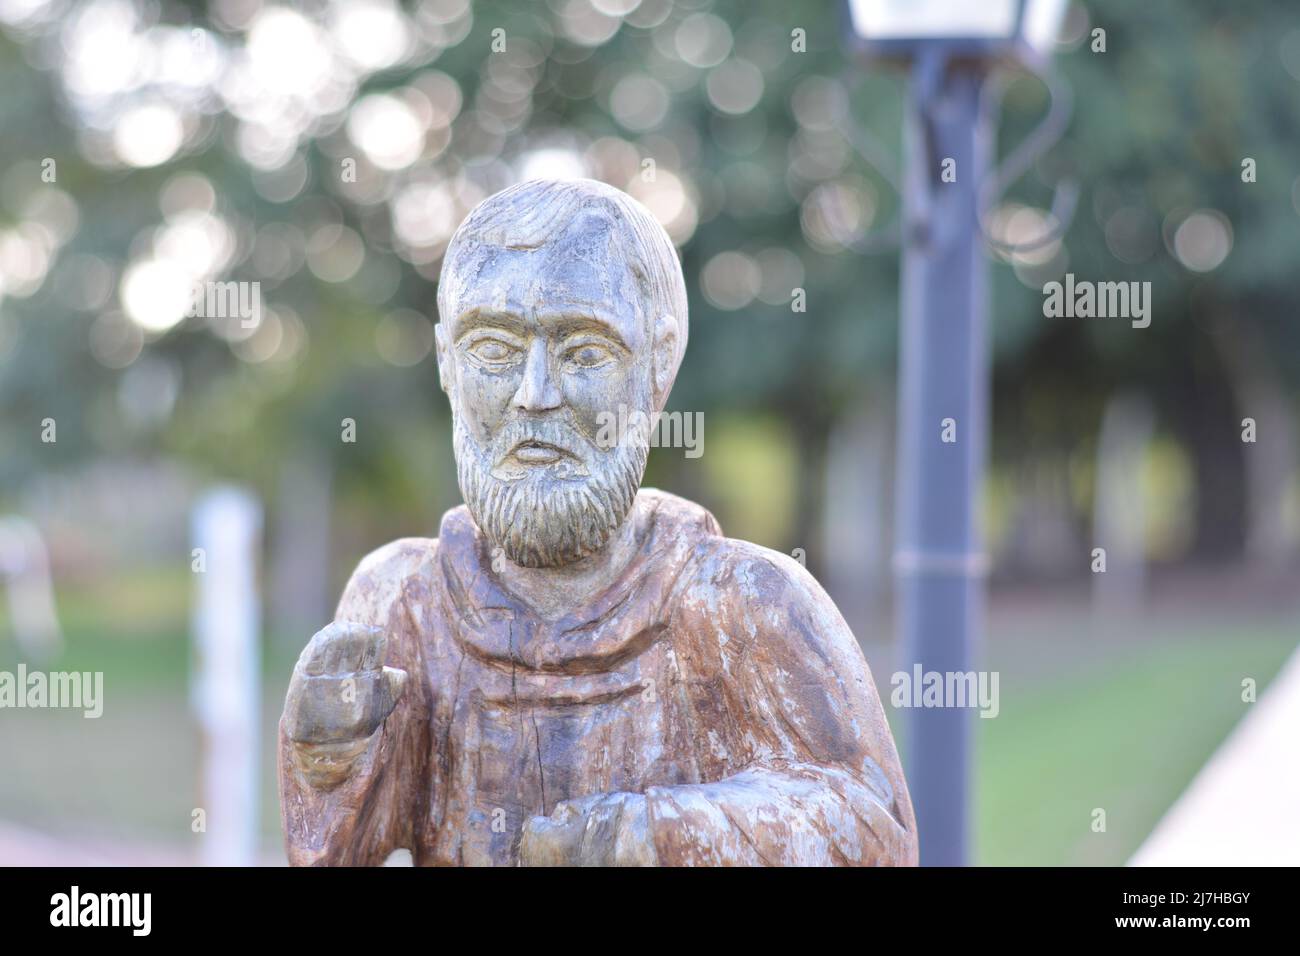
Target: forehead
x,y
582,270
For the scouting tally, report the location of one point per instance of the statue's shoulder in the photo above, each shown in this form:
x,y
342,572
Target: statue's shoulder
x,y
747,581
760,606
755,571
398,558
382,576
679,516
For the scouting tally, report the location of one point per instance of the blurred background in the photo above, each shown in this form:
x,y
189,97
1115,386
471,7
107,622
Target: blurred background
x,y
328,150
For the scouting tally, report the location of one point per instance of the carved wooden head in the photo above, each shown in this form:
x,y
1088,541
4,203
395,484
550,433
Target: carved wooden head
x,y
563,321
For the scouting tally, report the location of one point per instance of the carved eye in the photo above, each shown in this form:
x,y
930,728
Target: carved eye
x,y
588,355
492,351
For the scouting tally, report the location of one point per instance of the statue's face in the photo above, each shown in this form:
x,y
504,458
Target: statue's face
x,y
546,348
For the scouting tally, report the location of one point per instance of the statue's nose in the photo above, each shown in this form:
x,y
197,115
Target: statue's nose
x,y
539,391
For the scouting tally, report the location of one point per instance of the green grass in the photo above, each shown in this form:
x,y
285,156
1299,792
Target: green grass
x,y
1125,734
131,627
135,770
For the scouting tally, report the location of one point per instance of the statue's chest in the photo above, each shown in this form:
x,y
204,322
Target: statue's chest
x,y
545,736
519,739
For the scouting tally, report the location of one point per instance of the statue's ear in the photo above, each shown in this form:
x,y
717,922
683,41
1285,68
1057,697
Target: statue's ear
x,y
444,356
665,358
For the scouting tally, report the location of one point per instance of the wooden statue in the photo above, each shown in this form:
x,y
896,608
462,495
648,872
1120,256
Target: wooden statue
x,y
578,670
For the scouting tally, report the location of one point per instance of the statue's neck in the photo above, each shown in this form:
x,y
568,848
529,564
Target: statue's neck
x,y
553,592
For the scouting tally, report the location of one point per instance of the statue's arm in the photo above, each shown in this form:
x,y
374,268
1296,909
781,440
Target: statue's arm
x,y
354,737
824,786
818,782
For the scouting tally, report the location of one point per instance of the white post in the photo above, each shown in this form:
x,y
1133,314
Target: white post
x,y
25,566
226,676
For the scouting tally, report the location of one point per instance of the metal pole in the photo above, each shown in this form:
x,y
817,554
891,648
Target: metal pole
x,y
944,374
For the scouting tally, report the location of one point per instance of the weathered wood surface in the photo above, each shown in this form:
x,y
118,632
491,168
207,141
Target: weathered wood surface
x,y
575,671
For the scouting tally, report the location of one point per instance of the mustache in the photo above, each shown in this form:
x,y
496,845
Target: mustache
x,y
559,433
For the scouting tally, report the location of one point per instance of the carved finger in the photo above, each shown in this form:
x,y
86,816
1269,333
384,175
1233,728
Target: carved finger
x,y
392,686
312,660
332,708
600,833
634,845
553,840
374,645
347,644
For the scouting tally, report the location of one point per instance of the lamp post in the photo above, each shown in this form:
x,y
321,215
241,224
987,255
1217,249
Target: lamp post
x,y
950,47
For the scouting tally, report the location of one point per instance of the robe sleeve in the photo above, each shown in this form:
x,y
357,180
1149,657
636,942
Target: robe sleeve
x,y
383,802
821,784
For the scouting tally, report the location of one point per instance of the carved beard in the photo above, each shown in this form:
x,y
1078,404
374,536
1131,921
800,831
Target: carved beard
x,y
548,516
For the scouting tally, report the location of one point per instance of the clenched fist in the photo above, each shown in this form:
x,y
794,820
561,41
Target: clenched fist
x,y
339,695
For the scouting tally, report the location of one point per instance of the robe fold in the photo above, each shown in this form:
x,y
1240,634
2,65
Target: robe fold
x,y
714,676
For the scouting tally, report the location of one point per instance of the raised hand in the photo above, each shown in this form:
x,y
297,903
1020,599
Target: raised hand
x,y
339,695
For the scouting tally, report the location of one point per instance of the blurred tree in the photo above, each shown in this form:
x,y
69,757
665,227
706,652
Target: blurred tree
x,y
327,152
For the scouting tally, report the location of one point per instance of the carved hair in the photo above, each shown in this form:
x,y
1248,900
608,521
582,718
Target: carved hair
x,y
532,213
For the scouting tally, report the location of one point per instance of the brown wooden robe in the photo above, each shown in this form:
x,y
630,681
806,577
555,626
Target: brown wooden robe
x,y
714,676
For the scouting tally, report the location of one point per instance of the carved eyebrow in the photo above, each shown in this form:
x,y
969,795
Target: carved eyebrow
x,y
477,318
563,323
568,323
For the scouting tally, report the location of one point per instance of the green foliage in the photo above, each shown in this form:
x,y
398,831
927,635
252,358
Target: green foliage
x,y
1162,120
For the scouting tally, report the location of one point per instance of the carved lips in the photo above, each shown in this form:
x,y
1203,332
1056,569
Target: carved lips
x,y
533,452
